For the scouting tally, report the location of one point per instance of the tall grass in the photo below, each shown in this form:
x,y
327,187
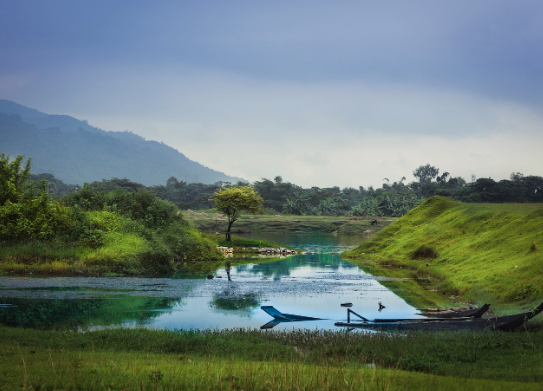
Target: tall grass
x,y
255,360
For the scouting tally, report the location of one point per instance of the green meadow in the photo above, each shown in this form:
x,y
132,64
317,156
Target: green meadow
x,y
140,359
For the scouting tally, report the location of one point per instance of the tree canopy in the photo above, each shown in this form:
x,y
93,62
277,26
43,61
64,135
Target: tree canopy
x,y
27,212
234,200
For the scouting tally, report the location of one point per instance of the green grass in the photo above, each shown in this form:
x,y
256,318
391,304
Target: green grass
x,y
473,252
213,222
132,251
140,359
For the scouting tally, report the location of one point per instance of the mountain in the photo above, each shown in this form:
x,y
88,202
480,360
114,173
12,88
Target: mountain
x,y
76,152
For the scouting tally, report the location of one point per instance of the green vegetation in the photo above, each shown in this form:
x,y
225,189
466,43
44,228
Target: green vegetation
x,y
233,201
91,231
210,221
140,359
480,252
392,199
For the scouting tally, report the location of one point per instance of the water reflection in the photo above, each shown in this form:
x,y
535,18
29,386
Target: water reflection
x,y
83,314
297,265
231,299
311,285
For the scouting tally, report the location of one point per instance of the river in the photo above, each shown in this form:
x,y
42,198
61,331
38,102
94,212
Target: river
x,y
313,285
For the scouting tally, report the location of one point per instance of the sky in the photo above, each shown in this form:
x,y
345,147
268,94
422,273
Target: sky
x,y
322,93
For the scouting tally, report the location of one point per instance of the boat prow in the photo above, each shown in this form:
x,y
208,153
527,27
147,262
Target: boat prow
x,y
458,312
279,317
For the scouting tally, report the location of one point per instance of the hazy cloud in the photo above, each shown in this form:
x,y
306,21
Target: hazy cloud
x,y
324,94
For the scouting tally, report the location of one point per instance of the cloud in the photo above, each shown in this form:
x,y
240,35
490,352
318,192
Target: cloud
x,y
323,94
311,133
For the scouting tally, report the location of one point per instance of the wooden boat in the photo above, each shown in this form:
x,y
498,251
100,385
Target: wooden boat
x,y
457,312
498,323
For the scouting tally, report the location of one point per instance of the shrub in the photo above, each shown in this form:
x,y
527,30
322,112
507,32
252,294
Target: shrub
x,y
425,252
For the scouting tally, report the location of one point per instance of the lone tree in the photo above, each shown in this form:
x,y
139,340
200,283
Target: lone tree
x,y
234,200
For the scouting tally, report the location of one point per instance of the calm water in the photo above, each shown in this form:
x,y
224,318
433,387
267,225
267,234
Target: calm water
x,y
312,285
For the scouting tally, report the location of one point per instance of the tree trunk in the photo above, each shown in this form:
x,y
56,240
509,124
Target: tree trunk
x,y
228,237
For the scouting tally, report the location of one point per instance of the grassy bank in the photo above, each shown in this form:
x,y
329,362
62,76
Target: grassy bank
x,y
245,250
210,221
246,245
472,252
139,359
116,245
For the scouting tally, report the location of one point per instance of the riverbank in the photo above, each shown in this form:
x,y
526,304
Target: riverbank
x,y
211,222
118,258
451,251
142,359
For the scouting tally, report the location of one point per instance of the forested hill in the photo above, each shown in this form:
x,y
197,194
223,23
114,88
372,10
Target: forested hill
x,y
76,152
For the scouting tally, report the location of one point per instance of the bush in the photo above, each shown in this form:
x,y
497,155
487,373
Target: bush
x,y
188,243
120,231
425,252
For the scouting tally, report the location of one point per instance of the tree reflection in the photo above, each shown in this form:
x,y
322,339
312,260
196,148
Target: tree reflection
x,y
283,267
230,299
80,314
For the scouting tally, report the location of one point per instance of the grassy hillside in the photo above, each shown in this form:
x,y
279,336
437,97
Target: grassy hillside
x,y
479,252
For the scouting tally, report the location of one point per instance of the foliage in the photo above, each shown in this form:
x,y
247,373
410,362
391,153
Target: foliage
x,y
13,179
121,231
55,187
233,201
140,205
391,200
187,195
27,214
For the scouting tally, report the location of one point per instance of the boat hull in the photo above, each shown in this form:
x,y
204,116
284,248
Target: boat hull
x,y
476,312
497,323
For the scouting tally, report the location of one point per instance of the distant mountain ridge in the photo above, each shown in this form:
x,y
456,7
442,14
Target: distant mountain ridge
x,y
76,152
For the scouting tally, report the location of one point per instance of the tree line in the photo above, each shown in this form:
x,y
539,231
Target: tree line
x,y
393,198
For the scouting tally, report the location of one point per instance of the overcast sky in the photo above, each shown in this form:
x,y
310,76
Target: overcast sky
x,y
323,93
